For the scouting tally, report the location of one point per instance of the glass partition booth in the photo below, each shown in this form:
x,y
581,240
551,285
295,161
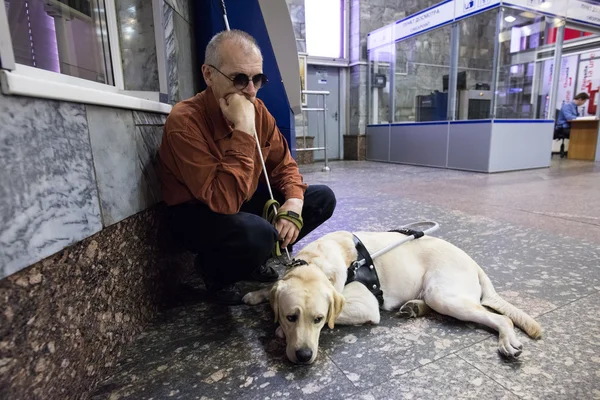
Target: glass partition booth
x,y
471,85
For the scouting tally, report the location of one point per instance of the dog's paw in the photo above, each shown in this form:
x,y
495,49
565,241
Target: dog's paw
x,y
510,349
254,298
409,310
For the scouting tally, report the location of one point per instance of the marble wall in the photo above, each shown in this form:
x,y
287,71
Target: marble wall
x,y
48,194
66,320
84,255
125,160
68,171
296,8
181,62
71,168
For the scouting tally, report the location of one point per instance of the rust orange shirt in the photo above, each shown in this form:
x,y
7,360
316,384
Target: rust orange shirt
x,y
204,158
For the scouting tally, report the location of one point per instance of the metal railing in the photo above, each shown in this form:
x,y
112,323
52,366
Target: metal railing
x,y
324,94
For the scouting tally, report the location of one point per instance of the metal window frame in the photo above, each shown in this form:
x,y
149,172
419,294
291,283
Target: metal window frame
x,y
496,60
7,59
560,34
7,55
453,71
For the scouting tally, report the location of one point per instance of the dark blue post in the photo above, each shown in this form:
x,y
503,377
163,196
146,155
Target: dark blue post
x,y
245,15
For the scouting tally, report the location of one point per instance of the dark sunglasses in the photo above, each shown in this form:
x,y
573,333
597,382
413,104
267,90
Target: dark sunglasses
x,y
240,81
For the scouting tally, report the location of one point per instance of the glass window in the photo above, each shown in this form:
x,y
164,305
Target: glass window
x,y
421,77
523,41
138,45
323,22
68,37
475,66
380,62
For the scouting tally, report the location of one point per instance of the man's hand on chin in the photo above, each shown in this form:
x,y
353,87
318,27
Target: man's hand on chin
x,y
288,232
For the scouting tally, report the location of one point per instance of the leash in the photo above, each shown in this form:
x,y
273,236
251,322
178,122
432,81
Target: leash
x,y
271,203
270,214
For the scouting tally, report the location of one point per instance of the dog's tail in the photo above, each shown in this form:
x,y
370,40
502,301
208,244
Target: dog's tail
x,y
519,317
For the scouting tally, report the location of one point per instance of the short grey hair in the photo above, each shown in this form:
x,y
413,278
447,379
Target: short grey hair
x,y
212,55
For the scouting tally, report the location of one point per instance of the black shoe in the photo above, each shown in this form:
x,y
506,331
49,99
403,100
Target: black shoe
x,y
220,294
264,274
229,295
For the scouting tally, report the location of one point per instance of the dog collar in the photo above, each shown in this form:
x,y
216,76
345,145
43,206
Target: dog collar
x,y
296,263
365,273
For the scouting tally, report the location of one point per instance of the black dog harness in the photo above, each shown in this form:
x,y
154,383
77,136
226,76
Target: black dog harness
x,y
365,272
363,269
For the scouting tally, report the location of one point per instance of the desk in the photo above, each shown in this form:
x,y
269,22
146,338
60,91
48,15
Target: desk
x,y
583,140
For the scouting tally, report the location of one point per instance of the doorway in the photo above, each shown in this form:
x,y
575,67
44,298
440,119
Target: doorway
x,y
324,78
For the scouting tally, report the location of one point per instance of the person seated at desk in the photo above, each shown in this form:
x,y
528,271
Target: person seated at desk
x,y
569,111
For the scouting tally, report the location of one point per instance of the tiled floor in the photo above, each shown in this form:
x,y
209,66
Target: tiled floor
x,y
536,233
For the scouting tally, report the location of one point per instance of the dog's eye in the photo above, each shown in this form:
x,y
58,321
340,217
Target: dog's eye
x,y
292,318
318,320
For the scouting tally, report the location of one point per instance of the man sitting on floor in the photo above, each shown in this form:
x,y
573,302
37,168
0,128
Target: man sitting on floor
x,y
210,172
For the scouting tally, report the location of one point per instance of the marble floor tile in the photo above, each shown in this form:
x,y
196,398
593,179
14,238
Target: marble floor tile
x,y
219,352
448,378
548,267
564,364
371,355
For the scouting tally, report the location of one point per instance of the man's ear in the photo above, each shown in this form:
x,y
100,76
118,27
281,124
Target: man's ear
x,y
336,304
207,74
274,299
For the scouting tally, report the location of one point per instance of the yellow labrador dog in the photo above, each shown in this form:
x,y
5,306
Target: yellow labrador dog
x,y
417,276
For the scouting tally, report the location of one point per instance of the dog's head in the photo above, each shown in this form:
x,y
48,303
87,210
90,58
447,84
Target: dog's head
x,y
303,302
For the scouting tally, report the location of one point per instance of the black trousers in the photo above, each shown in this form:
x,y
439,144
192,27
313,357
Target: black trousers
x,y
230,247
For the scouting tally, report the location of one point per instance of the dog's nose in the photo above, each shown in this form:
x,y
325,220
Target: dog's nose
x,y
304,355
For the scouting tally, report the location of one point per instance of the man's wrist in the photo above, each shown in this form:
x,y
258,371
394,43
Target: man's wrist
x,y
246,127
295,205
295,200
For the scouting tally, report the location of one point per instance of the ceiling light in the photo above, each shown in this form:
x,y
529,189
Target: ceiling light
x,y
510,18
546,5
528,14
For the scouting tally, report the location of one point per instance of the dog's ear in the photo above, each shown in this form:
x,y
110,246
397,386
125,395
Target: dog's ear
x,y
274,299
336,304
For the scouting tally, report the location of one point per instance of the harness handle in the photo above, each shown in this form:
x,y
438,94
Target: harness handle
x,y
412,235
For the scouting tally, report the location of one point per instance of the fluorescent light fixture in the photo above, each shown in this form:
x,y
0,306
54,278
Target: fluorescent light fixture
x,y
546,4
510,18
323,19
